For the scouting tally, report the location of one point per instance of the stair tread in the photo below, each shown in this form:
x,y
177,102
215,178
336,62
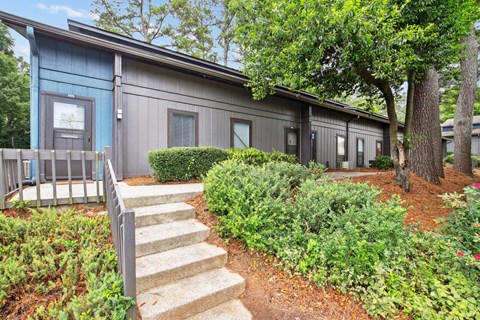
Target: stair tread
x,y
231,310
190,296
162,208
175,258
168,230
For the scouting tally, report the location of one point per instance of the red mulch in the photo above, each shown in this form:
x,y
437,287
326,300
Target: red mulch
x,y
423,201
148,181
272,294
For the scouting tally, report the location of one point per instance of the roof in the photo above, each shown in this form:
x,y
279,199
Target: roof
x,y
449,124
89,36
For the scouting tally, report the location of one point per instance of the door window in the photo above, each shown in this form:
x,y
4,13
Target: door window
x,y
68,116
360,152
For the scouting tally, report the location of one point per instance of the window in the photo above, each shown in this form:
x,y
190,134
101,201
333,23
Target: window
x,y
240,133
340,150
182,128
378,148
360,152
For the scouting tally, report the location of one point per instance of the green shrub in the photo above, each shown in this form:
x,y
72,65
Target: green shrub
x,y
383,162
475,159
60,254
184,163
259,157
337,233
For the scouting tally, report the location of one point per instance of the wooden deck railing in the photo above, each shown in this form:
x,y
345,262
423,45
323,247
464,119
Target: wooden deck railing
x,y
122,221
13,173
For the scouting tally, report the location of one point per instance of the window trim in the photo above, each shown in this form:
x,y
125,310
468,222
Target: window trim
x,y
171,112
363,152
381,147
250,124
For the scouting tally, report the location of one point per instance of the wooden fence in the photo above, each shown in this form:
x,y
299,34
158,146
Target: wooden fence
x,y
15,164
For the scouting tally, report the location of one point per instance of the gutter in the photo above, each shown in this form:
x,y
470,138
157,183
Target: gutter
x,y
347,138
34,94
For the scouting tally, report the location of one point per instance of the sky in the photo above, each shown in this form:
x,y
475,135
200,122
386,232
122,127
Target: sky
x,y
54,13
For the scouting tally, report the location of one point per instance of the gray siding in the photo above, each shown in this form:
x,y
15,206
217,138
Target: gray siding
x,y
328,124
149,91
475,145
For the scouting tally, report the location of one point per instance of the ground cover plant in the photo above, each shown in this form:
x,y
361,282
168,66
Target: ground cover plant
x,y
59,266
337,233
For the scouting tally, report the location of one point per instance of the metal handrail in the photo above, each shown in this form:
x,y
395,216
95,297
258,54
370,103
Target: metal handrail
x,y
122,223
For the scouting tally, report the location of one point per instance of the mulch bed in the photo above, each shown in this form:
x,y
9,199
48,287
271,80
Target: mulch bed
x,y
272,293
148,181
423,201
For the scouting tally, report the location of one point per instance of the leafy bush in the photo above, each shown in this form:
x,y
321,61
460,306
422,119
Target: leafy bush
x,y
59,254
475,159
184,163
463,225
337,233
383,162
259,157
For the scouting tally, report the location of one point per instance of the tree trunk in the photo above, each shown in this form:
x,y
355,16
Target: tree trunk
x,y
462,125
425,125
399,154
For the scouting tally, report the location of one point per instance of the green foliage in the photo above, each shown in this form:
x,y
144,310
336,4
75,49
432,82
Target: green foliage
x,y
383,162
14,96
56,253
258,157
201,28
463,225
337,233
475,159
184,163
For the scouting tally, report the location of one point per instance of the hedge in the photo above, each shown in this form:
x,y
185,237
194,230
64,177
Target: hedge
x,y
184,163
259,157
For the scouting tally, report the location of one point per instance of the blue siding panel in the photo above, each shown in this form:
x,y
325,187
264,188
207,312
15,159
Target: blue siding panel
x,y
69,69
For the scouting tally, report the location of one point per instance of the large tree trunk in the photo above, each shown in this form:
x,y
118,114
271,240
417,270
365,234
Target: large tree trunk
x,y
398,152
462,125
425,125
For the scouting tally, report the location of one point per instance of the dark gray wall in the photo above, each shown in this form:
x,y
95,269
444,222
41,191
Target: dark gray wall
x,y
329,124
475,145
149,91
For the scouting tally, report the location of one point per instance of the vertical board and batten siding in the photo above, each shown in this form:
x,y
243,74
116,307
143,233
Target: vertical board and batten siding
x,y
150,91
475,145
328,124
70,69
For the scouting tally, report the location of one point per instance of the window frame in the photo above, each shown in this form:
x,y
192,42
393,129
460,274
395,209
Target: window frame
x,y
244,121
363,153
339,165
171,112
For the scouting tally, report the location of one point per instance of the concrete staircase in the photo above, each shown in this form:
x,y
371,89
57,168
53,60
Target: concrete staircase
x,y
178,275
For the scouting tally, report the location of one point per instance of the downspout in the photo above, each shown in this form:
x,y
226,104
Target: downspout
x,y
34,94
347,138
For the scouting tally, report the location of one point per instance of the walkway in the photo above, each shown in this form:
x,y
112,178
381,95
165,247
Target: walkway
x,y
351,174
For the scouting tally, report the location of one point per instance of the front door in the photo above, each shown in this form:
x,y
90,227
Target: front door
x,y
292,141
68,126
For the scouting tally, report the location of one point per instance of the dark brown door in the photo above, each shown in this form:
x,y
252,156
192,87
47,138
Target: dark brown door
x,y
68,126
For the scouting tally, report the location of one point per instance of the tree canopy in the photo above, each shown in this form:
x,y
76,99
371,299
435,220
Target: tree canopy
x,y
363,47
14,96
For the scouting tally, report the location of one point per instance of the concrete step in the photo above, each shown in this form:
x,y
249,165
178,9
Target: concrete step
x,y
163,237
231,310
165,267
143,196
163,213
190,296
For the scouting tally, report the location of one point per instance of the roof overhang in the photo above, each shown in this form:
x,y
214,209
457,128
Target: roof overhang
x,y
93,37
